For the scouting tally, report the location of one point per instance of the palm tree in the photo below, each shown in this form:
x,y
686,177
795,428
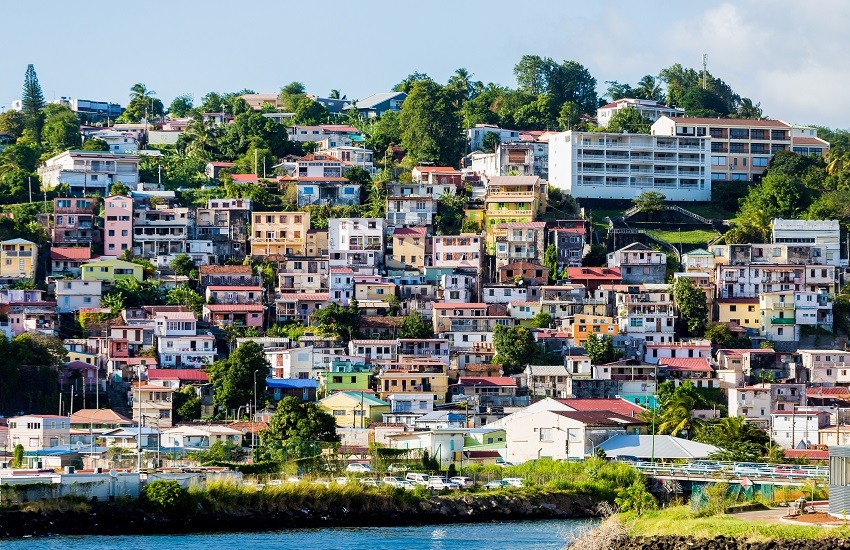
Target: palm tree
x,y
677,416
140,91
648,88
837,163
335,94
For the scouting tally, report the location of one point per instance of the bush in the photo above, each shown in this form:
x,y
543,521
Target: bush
x,y
165,495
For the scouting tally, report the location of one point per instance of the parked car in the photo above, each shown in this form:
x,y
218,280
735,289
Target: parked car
x,y
397,468
391,480
463,482
513,481
495,484
751,469
358,468
700,467
441,484
406,485
503,463
417,478
371,482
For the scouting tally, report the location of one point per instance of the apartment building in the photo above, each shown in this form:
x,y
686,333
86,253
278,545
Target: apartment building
x,y
464,251
570,240
279,233
74,222
73,295
645,312
647,108
18,259
224,222
178,343
87,172
583,325
758,401
622,166
798,429
161,234
355,156
826,368
117,225
38,432
321,180
819,233
410,210
741,149
356,242
317,243
152,405
530,273
512,199
299,306
413,375
525,158
639,264
303,275
520,242
784,313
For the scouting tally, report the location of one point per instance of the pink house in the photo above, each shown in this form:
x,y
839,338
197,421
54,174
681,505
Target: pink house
x,y
118,225
246,315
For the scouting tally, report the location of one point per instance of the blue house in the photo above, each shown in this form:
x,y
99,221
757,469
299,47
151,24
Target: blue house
x,y
303,389
377,104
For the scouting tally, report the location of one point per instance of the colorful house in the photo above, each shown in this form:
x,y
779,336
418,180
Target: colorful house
x,y
346,376
17,259
111,271
354,409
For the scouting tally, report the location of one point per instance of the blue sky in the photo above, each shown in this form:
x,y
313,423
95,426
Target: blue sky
x,y
782,53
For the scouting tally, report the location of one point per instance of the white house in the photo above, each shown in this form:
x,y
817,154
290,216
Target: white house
x,y
356,241
200,437
825,233
797,429
89,171
475,136
119,142
72,295
647,108
37,432
445,445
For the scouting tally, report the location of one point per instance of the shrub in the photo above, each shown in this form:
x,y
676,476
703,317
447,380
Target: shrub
x,y
636,498
165,495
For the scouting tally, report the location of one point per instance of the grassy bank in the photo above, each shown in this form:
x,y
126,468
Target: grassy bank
x,y
680,520
696,237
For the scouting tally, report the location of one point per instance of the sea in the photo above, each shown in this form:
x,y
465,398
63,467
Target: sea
x,y
542,535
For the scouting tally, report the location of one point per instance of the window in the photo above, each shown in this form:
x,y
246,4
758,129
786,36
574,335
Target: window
x,y
339,412
545,434
718,161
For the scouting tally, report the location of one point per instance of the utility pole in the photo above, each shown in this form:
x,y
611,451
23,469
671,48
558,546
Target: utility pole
x,y
704,70
29,181
255,161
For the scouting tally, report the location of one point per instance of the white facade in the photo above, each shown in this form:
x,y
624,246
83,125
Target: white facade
x,y
622,166
72,295
647,108
89,171
475,136
457,251
503,294
186,351
757,402
119,142
356,241
357,156
39,432
798,429
826,367
826,233
646,313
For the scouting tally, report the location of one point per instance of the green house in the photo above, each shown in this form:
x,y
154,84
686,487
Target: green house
x,y
110,271
346,375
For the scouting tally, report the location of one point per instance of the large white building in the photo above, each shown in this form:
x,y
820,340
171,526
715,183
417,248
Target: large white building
x,y
825,233
88,172
622,166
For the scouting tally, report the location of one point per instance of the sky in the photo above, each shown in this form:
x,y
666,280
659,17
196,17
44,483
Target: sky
x,y
785,54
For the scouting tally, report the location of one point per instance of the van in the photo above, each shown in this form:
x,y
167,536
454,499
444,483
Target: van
x,y
417,479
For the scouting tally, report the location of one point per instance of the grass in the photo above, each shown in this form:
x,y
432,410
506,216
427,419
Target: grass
x,y
680,520
699,237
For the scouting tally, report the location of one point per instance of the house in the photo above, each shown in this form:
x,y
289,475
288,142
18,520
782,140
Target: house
x,y
346,375
228,275
377,104
318,133
825,233
475,136
321,180
410,249
530,273
570,240
740,149
110,271
240,315
18,259
639,264
74,222
118,142
98,419
647,108
68,260
37,432
645,312
299,306
622,166
215,170
303,274
584,325
464,251
507,293
520,242
593,277
757,402
30,317
178,342
410,210
152,405
512,199
279,233
413,375
484,389
444,445
177,378
354,409
356,242
353,155
798,429
561,435
743,312
88,172
161,234
74,294
224,223
696,370
548,380
303,390
656,447
317,243
826,367
656,351
373,350
200,437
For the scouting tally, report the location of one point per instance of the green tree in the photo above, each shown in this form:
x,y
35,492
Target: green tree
x,y
690,300
550,261
310,112
296,426
601,350
722,337
617,90
737,439
233,378
187,404
32,103
143,103
180,106
17,456
430,126
12,123
290,94
597,256
649,202
95,144
567,81
515,348
542,320
415,326
183,264
490,142
119,188
569,116
450,213
635,498
183,295
649,88
61,129
629,120
165,495
336,320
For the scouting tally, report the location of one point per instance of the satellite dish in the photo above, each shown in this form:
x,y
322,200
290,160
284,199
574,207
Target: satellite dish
x,y
244,431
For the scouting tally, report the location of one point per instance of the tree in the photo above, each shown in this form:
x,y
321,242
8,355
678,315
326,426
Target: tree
x,y
165,495
119,188
649,202
143,104
336,94
690,300
490,142
182,295
430,126
12,123
182,264
567,81
550,261
779,195
180,106
290,94
296,426
187,404
569,116
32,103
336,320
737,439
515,348
415,326
450,212
95,144
629,120
542,320
310,112
597,256
61,128
635,498
722,337
18,456
407,84
649,88
233,378
677,415
617,90
601,350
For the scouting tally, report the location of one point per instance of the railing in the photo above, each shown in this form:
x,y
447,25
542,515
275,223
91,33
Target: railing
x,y
783,321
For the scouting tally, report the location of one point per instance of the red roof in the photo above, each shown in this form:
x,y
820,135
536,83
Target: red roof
x,y
684,121
217,308
812,454
184,375
412,231
244,177
225,270
588,273
481,454
307,297
316,178
486,381
521,225
810,141
838,391
619,406
426,169
460,306
692,364
221,164
341,270
70,253
570,230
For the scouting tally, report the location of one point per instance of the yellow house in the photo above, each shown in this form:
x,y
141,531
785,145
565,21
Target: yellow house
x,y
17,259
512,199
83,357
414,375
583,325
317,243
112,270
741,311
409,248
279,233
354,409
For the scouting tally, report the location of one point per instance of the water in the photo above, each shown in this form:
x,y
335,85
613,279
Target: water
x,y
543,535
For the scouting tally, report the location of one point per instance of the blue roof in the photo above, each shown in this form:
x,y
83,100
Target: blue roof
x,y
292,383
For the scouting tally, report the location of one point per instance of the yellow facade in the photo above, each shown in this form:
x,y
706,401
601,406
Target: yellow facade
x,y
83,357
583,325
744,313
17,259
413,381
408,252
374,291
317,243
354,409
279,233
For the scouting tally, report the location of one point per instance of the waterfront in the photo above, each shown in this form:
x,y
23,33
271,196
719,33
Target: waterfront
x,y
543,535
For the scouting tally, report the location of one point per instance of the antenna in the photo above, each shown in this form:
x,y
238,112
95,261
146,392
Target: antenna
x,y
704,69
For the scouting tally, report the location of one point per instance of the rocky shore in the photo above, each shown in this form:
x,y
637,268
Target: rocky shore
x,y
131,519
724,543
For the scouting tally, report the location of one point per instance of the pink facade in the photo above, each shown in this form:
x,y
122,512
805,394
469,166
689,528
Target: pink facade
x,y
118,225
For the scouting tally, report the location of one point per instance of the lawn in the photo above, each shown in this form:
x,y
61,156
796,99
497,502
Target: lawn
x,y
707,210
694,237
679,521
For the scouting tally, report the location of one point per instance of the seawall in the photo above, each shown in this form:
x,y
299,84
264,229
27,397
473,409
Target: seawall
x,y
724,543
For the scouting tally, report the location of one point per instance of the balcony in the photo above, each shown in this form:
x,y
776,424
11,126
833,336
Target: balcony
x,y
782,321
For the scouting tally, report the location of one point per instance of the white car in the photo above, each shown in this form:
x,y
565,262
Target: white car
x,y
440,484
463,482
513,481
358,468
392,480
369,481
406,485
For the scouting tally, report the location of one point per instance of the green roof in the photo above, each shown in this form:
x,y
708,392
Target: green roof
x,y
367,399
699,252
